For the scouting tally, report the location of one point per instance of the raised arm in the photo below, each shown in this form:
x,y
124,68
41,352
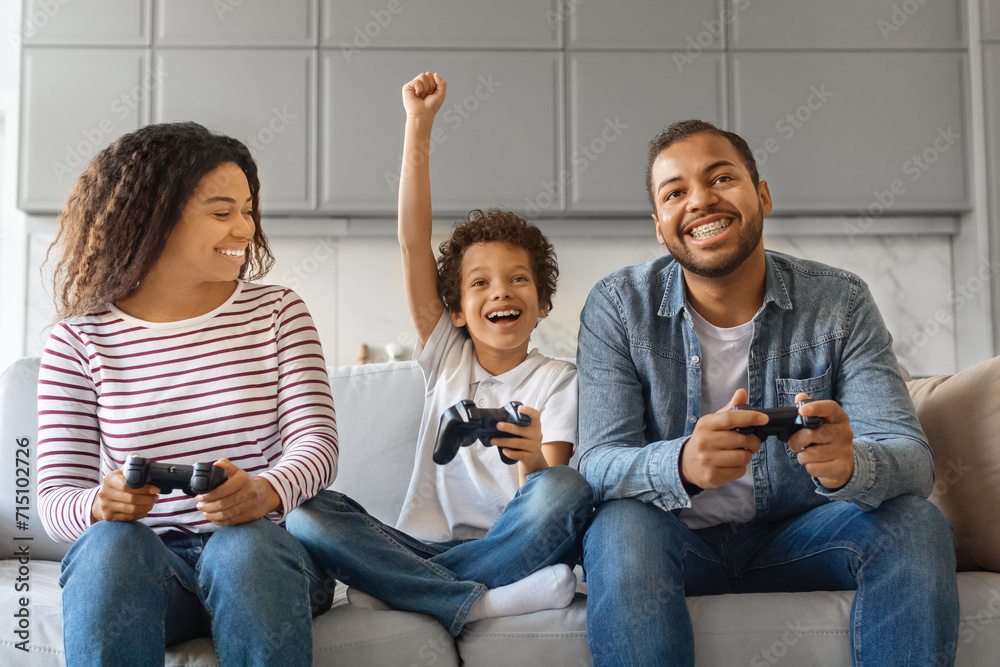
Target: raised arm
x,y
422,97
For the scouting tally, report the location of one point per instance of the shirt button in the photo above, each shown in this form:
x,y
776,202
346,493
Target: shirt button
x,y
488,383
482,402
695,359
693,419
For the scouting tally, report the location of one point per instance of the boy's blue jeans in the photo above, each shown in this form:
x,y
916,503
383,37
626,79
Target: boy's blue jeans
x,y
542,525
128,593
900,558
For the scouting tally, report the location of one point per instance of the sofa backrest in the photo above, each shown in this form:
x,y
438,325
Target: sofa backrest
x,y
378,417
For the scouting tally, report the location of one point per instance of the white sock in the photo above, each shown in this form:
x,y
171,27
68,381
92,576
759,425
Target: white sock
x,y
361,599
551,587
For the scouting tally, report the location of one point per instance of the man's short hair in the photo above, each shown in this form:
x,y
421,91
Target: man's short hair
x,y
686,128
496,226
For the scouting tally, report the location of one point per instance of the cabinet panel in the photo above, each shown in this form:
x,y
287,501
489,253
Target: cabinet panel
x,y
236,22
873,24
97,22
870,133
614,111
646,24
991,74
357,25
991,19
74,102
495,141
265,98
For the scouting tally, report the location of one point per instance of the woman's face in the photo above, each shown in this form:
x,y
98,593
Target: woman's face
x,y
209,243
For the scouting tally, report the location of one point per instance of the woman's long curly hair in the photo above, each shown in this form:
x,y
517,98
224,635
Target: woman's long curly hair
x,y
125,205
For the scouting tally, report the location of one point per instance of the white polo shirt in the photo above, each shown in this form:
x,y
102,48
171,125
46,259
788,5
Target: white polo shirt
x,y
462,500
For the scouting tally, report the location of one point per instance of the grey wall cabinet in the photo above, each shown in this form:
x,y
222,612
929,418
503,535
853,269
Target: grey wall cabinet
x,y
617,103
74,103
991,73
847,132
496,141
864,24
358,25
645,24
92,22
265,98
551,102
991,19
236,22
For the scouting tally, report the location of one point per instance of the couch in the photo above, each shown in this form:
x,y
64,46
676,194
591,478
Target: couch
x,y
378,410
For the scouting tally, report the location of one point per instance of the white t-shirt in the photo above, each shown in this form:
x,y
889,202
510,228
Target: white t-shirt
x,y
462,500
724,355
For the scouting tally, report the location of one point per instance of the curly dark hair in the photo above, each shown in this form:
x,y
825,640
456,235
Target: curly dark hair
x,y
496,226
126,203
686,128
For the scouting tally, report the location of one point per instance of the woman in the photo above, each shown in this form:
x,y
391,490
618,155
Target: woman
x,y
164,351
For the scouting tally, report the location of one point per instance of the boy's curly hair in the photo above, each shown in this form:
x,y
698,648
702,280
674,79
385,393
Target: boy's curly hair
x,y
126,203
496,226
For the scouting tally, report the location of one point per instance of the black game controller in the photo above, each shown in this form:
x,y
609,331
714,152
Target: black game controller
x,y
781,422
463,423
192,480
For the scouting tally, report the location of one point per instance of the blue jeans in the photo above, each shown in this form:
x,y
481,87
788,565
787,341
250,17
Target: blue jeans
x,y
900,558
542,525
128,593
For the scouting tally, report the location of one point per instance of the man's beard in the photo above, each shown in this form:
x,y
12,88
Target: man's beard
x,y
750,234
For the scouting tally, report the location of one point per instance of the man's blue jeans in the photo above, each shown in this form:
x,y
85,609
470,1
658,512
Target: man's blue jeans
x,y
128,593
900,558
542,525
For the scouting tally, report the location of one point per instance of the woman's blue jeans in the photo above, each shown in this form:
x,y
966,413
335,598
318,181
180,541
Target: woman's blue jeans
x,y
542,525
128,593
641,562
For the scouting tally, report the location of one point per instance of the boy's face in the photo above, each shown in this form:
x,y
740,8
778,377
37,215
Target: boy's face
x,y
499,305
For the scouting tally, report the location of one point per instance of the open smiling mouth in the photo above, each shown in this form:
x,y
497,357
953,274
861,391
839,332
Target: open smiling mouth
x,y
504,316
711,229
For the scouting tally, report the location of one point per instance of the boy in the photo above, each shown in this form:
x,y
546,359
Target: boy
x,y
476,538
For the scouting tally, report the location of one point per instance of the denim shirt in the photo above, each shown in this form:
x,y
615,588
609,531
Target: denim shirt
x,y
818,332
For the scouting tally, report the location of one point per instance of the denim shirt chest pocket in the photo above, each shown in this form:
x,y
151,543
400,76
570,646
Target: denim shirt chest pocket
x,y
818,388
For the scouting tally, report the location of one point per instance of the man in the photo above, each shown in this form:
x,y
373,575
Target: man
x,y
690,505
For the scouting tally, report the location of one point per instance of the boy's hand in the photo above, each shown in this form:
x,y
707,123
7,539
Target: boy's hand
x,y
827,452
117,501
240,499
424,95
526,449
715,454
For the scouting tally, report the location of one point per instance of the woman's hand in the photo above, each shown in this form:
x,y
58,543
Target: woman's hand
x,y
117,501
241,499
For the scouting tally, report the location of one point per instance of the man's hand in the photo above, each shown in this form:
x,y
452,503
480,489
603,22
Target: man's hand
x,y
827,452
424,95
117,501
716,454
241,499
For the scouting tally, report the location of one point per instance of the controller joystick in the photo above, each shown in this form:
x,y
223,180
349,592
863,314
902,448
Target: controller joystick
x,y
463,424
192,480
782,423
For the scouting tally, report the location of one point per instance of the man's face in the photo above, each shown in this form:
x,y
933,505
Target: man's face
x,y
708,214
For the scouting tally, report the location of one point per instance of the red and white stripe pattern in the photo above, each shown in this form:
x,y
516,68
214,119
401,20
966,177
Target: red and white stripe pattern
x,y
246,382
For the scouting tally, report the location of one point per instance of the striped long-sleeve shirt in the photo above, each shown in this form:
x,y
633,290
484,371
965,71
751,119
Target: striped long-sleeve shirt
x,y
246,382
